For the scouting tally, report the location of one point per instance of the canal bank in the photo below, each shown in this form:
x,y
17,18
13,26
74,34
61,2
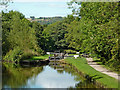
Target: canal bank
x,y
82,66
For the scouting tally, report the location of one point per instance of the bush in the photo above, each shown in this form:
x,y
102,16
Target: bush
x,y
14,55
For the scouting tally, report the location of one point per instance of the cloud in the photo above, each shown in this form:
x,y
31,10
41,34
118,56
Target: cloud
x,y
57,6
41,0
51,79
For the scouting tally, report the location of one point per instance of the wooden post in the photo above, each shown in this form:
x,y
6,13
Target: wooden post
x,y
49,58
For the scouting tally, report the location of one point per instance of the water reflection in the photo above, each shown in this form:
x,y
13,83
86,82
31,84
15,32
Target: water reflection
x,y
17,77
49,78
54,75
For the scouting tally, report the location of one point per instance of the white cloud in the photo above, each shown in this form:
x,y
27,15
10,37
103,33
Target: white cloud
x,y
41,0
51,79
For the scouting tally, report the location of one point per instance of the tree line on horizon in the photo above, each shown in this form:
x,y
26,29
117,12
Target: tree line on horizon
x,y
93,31
46,20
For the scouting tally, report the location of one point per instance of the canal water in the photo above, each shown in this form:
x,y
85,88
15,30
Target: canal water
x,y
53,75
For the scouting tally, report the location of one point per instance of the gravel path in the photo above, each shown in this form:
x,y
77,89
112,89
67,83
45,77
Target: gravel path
x,y
101,69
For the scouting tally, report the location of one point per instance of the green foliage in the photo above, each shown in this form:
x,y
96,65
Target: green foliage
x,y
57,32
54,35
14,54
93,31
19,38
96,32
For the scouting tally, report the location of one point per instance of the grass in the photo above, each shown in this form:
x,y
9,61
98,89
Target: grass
x,y
81,65
39,57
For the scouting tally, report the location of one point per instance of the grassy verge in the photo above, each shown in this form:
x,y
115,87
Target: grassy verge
x,y
39,57
81,65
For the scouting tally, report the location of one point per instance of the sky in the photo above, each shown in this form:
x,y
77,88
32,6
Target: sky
x,y
41,0
41,8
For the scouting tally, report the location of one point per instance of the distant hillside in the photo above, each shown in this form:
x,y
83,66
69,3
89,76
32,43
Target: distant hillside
x,y
46,20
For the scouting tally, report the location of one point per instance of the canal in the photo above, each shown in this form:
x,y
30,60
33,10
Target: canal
x,y
53,75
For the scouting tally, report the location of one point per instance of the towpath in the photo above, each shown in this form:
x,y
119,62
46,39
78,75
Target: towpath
x,y
101,69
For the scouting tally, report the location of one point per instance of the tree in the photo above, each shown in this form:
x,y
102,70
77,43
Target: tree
x,y
57,32
19,38
32,17
98,31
